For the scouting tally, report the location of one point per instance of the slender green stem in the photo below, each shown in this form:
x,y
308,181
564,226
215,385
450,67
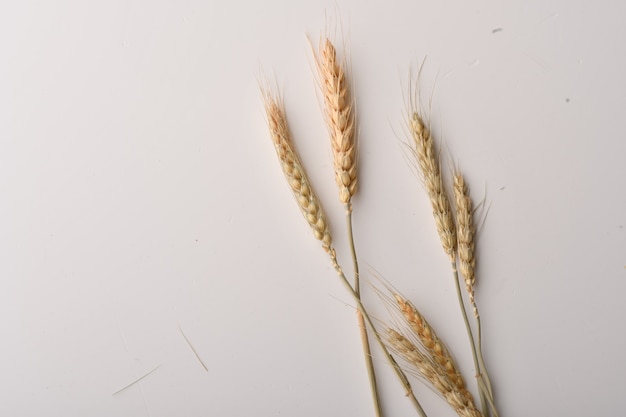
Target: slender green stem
x,y
479,376
481,359
484,390
484,383
369,364
363,329
399,373
355,262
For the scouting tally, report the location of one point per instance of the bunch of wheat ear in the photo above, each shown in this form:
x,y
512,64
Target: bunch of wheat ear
x,y
416,343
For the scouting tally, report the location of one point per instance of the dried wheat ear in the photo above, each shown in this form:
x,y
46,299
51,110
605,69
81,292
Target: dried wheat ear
x,y
460,400
339,115
430,170
294,171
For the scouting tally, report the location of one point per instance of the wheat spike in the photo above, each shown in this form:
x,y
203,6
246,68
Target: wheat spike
x,y
431,342
294,171
339,115
465,233
424,365
428,163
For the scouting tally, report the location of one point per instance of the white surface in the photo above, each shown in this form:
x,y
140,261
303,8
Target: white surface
x,y
139,191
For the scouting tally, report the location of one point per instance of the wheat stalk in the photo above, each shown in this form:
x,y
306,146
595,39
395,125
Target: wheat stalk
x,y
428,163
426,367
467,264
294,172
339,115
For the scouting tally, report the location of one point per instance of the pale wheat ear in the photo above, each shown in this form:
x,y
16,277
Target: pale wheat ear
x,y
429,166
465,235
293,170
430,170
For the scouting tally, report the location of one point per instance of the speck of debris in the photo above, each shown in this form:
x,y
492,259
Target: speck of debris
x,y
567,100
502,188
496,30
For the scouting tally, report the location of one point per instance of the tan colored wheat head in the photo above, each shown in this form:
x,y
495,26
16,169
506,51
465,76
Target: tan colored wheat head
x,y
465,232
294,171
428,369
428,338
428,163
339,115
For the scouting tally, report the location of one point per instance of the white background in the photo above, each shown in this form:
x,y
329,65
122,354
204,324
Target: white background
x,y
140,192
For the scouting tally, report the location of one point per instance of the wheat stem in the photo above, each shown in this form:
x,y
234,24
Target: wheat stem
x,y
479,376
371,372
369,364
487,382
397,369
467,266
355,262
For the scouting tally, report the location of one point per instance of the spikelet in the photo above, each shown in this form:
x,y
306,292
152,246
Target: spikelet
x,y
294,171
465,233
430,170
424,365
339,116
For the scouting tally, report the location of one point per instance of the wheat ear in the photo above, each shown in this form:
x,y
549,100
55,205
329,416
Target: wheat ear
x,y
294,171
431,342
429,166
467,263
465,235
425,366
339,115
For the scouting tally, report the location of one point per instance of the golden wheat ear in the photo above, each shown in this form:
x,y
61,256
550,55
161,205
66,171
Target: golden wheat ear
x,y
293,170
424,365
339,116
431,342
